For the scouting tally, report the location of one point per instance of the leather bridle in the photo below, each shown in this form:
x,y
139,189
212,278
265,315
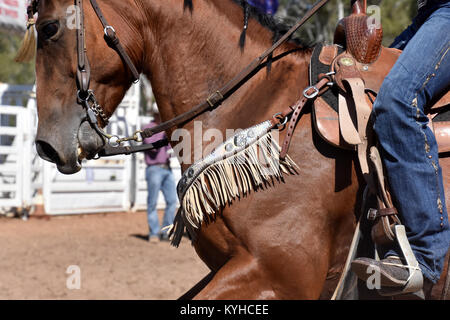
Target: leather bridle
x,y
86,97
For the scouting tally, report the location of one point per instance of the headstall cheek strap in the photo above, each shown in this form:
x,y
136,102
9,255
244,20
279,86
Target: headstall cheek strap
x,y
110,37
85,96
83,70
113,41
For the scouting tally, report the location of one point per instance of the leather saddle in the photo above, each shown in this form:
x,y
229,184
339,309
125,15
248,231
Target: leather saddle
x,y
328,108
357,53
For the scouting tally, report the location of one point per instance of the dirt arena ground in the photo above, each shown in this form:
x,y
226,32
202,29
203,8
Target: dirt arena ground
x,y
115,260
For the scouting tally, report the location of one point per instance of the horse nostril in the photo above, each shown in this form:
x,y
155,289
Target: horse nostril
x,y
47,152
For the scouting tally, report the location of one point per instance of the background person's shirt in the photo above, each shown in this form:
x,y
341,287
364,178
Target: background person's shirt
x,y
157,156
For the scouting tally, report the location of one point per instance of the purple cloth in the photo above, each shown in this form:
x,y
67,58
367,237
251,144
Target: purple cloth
x,y
266,6
157,156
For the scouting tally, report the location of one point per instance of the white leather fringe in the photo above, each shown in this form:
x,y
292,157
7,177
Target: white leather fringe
x,y
256,167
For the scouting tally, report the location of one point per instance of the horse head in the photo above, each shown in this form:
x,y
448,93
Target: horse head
x,y
64,135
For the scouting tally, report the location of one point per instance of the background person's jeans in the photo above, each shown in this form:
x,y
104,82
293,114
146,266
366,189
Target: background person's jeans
x,y
409,147
160,179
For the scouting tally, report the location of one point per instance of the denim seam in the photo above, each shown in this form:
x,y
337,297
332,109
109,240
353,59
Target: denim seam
x,y
426,270
414,102
426,75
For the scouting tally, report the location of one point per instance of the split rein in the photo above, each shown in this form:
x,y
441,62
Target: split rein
x,y
113,144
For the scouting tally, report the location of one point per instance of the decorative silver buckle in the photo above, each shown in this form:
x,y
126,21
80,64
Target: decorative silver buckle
x,y
372,214
282,120
105,31
312,95
211,98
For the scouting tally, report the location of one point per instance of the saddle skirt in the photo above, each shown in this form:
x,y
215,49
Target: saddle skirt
x,y
335,115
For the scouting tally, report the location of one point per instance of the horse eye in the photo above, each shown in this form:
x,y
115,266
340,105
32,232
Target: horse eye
x,y
50,30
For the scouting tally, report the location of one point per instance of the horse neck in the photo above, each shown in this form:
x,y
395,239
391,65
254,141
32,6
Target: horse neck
x,y
189,55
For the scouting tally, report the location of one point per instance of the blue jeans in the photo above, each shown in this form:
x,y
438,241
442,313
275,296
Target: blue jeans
x,y
160,179
409,147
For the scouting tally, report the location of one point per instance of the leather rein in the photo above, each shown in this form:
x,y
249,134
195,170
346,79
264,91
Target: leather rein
x,y
113,145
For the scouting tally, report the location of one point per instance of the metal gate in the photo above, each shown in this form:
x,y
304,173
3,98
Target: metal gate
x,y
104,185
15,164
107,185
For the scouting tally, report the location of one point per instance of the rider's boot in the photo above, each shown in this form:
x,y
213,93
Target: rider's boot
x,y
394,275
392,271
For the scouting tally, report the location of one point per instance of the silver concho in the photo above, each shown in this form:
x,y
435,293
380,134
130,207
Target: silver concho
x,y
230,147
240,140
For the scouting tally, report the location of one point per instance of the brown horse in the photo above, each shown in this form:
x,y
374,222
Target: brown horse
x,y
286,242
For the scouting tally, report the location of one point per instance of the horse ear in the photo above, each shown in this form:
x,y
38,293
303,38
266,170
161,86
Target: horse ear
x,y
27,50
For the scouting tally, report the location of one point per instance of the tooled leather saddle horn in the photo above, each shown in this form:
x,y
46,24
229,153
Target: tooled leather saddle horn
x,y
360,34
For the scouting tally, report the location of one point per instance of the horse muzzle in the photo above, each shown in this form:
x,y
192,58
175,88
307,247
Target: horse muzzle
x,y
69,149
90,142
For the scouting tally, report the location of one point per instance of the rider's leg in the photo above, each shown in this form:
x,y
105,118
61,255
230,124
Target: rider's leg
x,y
409,146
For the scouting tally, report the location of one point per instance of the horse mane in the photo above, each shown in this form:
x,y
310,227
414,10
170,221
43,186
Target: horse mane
x,y
188,4
277,27
268,21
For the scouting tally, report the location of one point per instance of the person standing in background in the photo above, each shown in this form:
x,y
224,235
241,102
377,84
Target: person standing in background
x,y
159,176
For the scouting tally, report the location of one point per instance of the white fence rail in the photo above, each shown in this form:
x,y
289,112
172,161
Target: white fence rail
x,y
101,186
15,164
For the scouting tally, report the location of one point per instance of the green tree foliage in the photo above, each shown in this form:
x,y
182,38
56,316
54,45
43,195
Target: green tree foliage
x,y
10,71
395,17
319,28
